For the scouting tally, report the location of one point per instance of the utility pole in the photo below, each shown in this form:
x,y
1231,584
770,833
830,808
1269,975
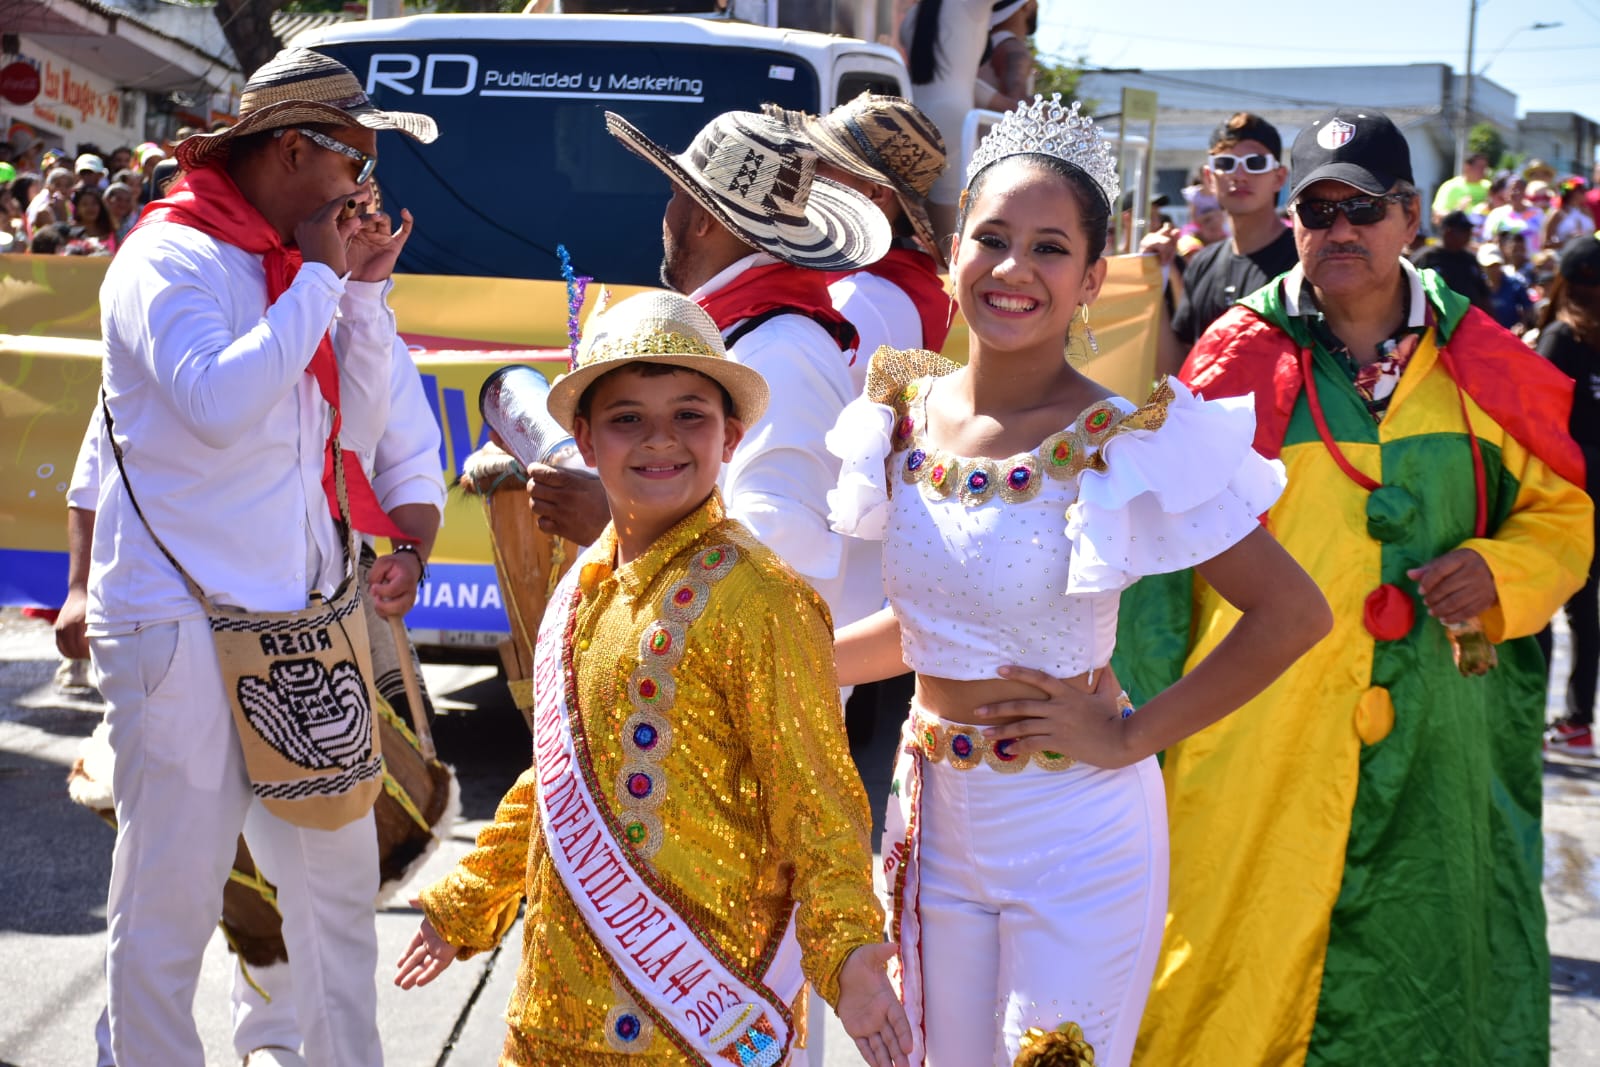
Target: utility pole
x,y
1465,126
385,9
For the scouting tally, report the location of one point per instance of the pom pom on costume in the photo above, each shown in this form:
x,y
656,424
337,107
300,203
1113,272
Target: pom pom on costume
x,y
1062,1047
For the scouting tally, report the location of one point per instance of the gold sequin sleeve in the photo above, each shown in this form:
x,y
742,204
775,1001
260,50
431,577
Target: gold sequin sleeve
x,y
814,802
474,905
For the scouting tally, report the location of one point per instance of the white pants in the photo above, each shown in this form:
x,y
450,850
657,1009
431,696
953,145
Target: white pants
x,y
1043,896
182,798
263,1014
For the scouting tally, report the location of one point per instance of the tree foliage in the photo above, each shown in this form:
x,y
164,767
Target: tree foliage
x,y
247,25
1051,76
1484,138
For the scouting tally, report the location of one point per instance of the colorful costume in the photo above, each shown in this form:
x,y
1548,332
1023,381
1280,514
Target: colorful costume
x,y
1029,892
1356,852
715,754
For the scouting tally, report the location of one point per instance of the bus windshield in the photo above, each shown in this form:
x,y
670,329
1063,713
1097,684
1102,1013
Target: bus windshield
x,y
523,162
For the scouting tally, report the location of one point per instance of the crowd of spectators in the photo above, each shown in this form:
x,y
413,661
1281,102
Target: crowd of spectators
x,y
53,202
1500,237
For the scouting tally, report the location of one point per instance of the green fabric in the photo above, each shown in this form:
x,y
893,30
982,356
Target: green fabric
x,y
1154,620
1436,949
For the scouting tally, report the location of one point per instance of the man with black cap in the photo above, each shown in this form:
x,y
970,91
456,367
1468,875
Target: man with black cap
x,y
1454,262
1356,853
248,356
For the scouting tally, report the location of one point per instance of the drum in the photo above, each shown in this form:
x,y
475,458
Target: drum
x,y
416,810
527,561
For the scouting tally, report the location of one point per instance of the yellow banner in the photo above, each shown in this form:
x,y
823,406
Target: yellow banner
x,y
461,329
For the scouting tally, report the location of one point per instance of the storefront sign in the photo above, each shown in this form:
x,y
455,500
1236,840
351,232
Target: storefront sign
x,y
74,90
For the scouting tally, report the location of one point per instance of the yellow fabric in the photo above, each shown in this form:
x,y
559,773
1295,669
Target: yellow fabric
x,y
1549,523
762,805
1278,777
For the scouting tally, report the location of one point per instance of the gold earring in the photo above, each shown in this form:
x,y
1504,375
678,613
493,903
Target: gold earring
x,y
1081,346
950,315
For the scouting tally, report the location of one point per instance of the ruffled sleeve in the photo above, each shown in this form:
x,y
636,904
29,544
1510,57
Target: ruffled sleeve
x,y
1178,482
859,505
863,438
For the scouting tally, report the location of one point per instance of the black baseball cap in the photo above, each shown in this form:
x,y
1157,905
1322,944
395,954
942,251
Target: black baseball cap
x,y
1456,220
1357,146
1580,261
1247,126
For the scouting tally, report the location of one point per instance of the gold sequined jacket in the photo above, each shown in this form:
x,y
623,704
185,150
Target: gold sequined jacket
x,y
754,805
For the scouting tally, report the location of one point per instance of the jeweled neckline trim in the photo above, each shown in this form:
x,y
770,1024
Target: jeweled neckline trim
x,y
976,480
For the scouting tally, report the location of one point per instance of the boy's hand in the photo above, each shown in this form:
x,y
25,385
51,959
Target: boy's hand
x,y
870,1011
425,958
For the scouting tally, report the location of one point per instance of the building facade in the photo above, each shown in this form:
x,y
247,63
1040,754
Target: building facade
x,y
1423,99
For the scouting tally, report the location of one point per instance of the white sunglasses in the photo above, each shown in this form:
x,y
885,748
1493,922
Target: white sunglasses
x,y
1254,163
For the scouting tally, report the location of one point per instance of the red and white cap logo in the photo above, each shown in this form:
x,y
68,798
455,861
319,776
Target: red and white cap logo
x,y
1334,134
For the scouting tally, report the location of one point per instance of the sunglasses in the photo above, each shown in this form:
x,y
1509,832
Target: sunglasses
x,y
368,163
1254,163
1358,210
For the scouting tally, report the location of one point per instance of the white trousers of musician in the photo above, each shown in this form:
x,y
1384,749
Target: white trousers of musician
x,y
182,797
263,1013
1043,898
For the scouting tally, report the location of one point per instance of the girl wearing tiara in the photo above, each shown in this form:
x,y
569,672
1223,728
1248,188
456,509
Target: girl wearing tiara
x,y
1026,848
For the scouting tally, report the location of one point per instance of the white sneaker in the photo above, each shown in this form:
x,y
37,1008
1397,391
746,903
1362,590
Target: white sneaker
x,y
274,1057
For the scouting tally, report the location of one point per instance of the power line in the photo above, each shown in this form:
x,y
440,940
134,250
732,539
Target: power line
x,y
1277,47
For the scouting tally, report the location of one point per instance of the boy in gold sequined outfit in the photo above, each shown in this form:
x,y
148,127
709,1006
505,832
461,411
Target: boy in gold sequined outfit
x,y
692,835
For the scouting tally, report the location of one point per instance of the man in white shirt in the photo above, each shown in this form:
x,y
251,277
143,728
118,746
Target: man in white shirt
x,y
887,150
239,311
748,234
405,476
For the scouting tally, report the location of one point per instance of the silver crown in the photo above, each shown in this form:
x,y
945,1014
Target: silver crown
x,y
1049,128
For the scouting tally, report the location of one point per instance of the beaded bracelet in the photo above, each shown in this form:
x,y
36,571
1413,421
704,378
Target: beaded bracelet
x,y
407,546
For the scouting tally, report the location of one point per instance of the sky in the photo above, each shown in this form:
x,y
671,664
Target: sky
x,y
1555,69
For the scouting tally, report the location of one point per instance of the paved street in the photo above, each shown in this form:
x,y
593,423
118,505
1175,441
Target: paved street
x,y
55,860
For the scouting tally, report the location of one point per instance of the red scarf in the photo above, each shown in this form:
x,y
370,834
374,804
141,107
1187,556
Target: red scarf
x,y
208,201
913,273
780,287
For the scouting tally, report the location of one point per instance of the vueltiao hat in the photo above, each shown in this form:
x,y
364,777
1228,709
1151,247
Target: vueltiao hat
x,y
657,326
759,180
886,140
298,86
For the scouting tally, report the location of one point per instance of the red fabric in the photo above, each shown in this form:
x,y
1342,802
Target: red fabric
x,y
916,275
1243,353
779,286
207,200
1388,613
1519,389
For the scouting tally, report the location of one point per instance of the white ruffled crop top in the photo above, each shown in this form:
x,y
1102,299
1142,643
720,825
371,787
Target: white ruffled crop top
x,y
1022,560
